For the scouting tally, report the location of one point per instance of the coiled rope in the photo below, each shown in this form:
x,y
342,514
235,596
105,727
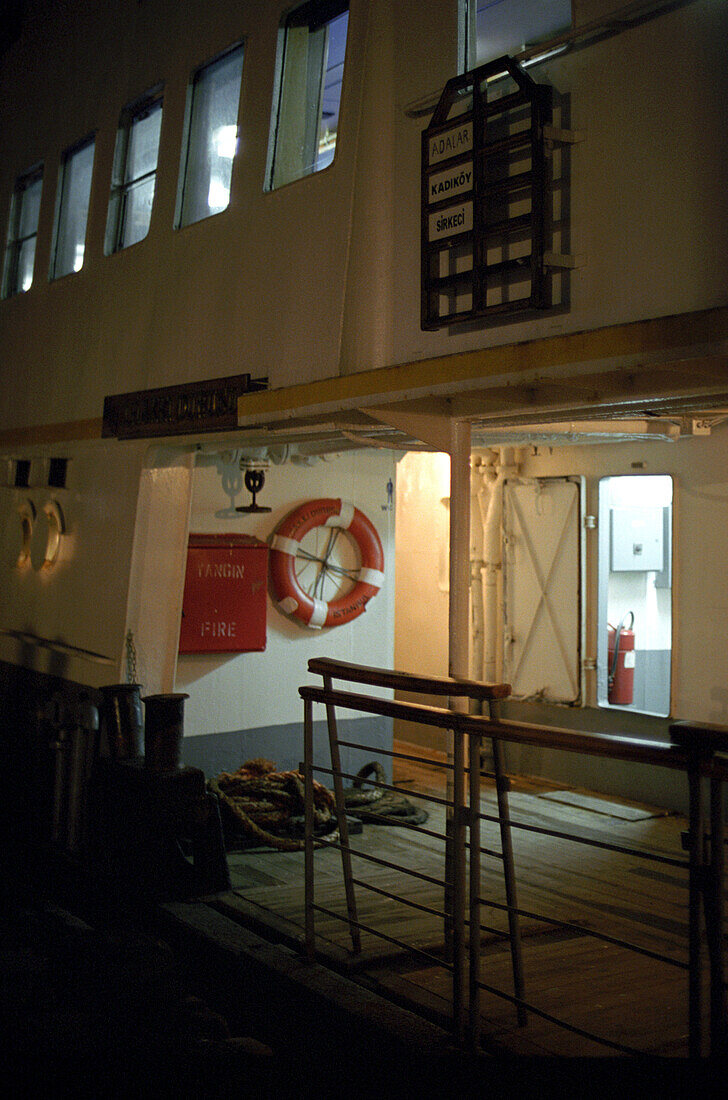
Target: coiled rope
x,y
264,801
268,806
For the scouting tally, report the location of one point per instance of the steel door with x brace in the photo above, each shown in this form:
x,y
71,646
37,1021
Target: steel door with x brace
x,y
543,572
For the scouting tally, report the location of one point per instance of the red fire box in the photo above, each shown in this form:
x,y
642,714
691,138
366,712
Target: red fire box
x,y
224,603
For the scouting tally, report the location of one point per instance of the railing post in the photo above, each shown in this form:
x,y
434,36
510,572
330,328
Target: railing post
x,y
310,932
701,741
342,822
714,914
475,745
696,840
458,882
509,869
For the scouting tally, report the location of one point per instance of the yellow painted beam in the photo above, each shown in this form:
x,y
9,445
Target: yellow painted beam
x,y
613,341
685,330
38,434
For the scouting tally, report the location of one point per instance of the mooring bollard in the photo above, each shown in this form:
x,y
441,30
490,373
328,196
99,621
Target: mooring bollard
x,y
163,730
122,720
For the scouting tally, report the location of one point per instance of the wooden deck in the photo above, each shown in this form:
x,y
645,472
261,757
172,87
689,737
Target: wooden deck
x,y
629,999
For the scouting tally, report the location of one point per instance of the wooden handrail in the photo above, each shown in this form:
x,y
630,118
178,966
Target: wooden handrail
x,y
703,737
388,708
407,681
616,747
675,754
661,753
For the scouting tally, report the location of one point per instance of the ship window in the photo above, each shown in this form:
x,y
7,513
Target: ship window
x,y
74,189
211,138
312,45
134,174
57,469
22,232
500,27
22,472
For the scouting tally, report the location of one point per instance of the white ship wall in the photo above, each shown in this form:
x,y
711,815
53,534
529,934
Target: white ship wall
x,y
253,697
334,257
81,602
181,305
647,178
318,279
121,566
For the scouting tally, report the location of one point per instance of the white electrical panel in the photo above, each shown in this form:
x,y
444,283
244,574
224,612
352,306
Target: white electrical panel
x,y
637,537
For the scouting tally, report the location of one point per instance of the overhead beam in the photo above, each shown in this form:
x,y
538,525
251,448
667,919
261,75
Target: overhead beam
x,y
623,389
588,352
629,389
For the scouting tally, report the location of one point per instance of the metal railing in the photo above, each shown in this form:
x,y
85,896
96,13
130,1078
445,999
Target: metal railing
x,y
695,750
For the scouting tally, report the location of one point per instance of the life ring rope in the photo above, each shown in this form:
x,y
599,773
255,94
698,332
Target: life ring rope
x,y
286,549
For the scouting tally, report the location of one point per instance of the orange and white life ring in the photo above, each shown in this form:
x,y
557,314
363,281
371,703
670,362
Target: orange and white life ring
x,y
286,542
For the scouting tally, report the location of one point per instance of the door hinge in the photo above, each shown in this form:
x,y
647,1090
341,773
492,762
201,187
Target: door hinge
x,y
589,664
590,523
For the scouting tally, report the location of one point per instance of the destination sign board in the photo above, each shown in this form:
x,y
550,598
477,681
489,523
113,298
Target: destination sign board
x,y
455,219
450,182
485,180
450,143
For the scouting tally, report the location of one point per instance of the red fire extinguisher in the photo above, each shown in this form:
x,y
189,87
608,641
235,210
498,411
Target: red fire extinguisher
x,y
620,646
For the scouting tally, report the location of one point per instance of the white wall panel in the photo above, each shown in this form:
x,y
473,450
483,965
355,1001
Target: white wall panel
x,y
251,690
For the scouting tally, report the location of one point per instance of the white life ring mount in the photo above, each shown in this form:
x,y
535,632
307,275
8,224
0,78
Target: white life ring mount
x,y
286,542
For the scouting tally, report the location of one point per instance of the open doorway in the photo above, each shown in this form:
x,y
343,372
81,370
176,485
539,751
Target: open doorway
x,y
555,596
635,593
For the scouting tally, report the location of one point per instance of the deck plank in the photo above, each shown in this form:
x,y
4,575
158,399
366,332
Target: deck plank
x,y
628,998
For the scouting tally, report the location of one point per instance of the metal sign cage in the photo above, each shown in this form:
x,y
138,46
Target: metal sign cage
x,y
484,197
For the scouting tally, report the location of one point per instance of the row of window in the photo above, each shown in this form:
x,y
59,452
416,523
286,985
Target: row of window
x,y
312,45
52,472
304,124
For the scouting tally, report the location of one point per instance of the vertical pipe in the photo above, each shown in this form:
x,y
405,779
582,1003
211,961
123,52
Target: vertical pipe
x,y
342,822
459,613
490,622
476,570
474,894
491,564
476,596
695,895
308,827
